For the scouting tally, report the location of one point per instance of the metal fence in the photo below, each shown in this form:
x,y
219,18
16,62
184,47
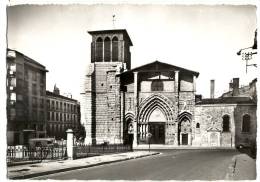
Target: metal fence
x,y
81,150
24,153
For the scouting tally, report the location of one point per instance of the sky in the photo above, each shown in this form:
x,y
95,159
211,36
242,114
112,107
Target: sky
x,y
202,38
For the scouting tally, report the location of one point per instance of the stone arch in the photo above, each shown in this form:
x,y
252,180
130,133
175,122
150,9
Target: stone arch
x,y
157,126
129,119
184,114
115,49
184,128
107,49
99,50
156,101
129,115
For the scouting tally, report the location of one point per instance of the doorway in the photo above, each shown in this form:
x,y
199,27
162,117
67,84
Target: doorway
x,y
158,133
185,139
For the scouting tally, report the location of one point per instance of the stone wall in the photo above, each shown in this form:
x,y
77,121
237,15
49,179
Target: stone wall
x,y
245,137
210,119
102,108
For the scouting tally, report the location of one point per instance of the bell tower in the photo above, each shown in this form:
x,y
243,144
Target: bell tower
x,y
111,46
110,55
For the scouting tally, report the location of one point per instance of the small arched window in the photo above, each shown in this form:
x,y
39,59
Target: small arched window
x,y
197,125
107,49
226,123
246,123
115,49
157,85
99,50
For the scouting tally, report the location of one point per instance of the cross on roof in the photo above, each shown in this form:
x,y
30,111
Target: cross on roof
x,y
114,21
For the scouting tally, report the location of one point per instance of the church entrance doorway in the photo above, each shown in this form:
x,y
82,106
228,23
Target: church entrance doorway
x,y
184,139
129,132
184,129
156,126
158,133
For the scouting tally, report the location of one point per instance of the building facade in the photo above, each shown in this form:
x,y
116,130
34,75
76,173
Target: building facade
x,y
26,108
62,113
156,101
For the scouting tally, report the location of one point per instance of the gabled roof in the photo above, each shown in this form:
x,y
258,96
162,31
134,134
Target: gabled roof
x,y
157,65
123,31
227,100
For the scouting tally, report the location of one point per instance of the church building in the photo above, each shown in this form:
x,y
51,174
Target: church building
x,y
156,101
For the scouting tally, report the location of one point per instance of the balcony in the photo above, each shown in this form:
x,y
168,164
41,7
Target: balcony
x,y
11,54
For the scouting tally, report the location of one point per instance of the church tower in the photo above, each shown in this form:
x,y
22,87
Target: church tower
x,y
110,55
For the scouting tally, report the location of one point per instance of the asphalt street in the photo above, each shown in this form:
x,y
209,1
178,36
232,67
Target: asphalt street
x,y
170,165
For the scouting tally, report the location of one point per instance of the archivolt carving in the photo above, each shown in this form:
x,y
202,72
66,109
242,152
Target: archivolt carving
x,y
129,115
183,115
156,101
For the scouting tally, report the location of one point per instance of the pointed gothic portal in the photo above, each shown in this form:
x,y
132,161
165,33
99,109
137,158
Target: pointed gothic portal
x,y
156,112
184,129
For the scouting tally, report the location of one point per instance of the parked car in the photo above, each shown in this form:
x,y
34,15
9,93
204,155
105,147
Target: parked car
x,y
41,142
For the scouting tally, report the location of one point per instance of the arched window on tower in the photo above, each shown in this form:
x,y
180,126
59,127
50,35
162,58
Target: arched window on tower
x,y
226,123
115,49
157,85
246,123
99,50
107,49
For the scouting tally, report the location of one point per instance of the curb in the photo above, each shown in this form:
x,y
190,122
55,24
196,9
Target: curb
x,y
77,167
231,169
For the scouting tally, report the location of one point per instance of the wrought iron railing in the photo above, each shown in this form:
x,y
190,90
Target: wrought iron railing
x,y
36,154
81,150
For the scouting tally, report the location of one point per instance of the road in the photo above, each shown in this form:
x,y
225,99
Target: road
x,y
170,165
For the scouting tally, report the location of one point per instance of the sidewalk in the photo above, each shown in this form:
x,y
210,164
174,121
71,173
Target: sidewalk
x,y
242,167
44,168
245,168
160,146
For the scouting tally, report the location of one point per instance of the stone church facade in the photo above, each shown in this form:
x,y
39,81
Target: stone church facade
x,y
158,99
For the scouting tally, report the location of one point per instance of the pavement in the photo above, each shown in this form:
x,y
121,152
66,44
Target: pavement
x,y
242,167
50,167
160,146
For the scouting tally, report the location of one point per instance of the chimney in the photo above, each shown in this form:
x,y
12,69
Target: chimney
x,y
212,88
230,86
235,86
